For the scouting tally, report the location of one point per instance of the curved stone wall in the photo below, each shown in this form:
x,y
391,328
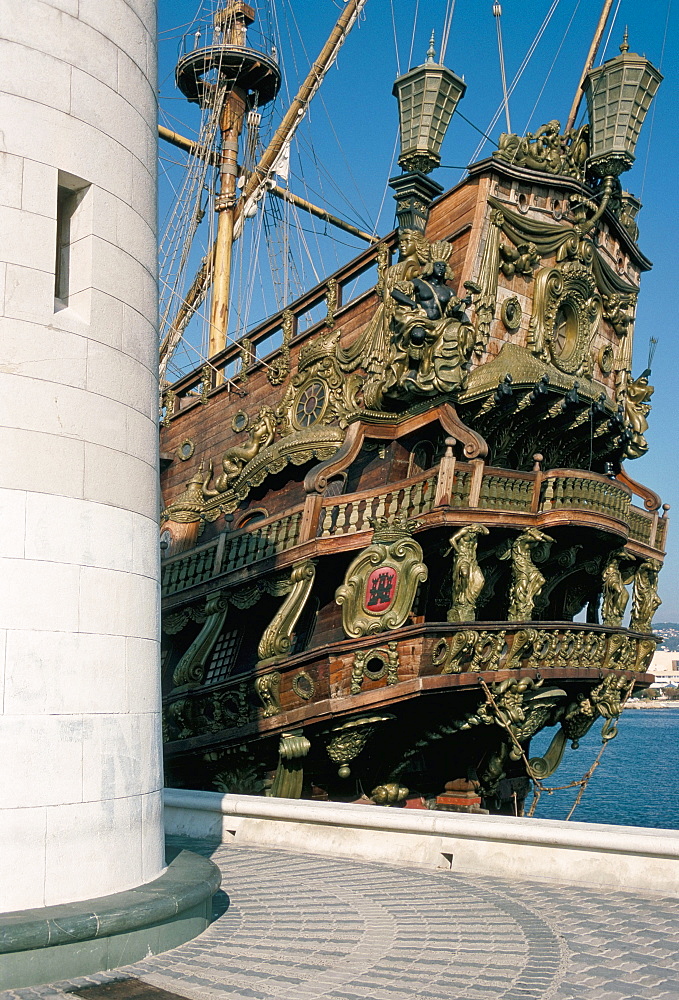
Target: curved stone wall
x,y
80,807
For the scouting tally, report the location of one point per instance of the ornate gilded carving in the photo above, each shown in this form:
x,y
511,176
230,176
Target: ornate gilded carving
x,y
637,408
246,356
191,668
474,649
511,314
185,450
174,623
236,458
331,297
618,310
389,794
268,687
606,701
189,505
543,767
380,584
432,342
419,341
613,580
547,150
522,706
518,260
277,638
527,580
485,303
361,669
303,685
279,369
319,393
289,776
645,600
567,308
468,578
205,383
198,712
347,740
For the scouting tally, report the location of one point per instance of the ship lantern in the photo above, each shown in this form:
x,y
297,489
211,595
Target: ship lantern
x,y
619,93
427,97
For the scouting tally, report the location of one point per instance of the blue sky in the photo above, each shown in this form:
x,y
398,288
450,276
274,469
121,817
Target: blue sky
x,y
344,153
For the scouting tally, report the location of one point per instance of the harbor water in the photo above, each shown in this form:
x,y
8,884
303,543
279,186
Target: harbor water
x,y
637,781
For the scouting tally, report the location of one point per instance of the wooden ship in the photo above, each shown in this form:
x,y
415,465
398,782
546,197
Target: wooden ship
x,y
399,545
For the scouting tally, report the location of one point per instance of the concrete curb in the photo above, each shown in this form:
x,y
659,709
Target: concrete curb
x,y
615,857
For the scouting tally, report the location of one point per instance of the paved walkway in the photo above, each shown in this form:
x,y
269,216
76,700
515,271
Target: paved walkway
x,y
303,928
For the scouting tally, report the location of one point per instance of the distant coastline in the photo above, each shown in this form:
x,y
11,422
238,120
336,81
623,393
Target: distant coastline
x,y
646,703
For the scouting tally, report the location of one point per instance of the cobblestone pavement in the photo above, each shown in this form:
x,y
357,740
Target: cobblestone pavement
x,y
296,927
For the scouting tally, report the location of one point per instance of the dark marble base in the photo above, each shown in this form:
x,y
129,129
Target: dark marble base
x,y
74,939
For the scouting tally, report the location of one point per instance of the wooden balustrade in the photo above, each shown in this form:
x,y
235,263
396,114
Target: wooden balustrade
x,y
344,517
261,540
474,487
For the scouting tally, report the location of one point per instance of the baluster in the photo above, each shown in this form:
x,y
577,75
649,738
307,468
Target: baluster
x,y
342,516
381,505
548,496
353,518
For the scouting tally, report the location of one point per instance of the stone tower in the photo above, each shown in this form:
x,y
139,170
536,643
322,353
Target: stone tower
x,y
81,802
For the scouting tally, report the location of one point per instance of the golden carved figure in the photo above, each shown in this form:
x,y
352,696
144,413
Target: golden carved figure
x,y
637,409
235,459
615,594
468,578
527,580
431,341
645,601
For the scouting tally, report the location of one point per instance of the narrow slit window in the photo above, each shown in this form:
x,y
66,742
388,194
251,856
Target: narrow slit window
x,y
71,270
67,201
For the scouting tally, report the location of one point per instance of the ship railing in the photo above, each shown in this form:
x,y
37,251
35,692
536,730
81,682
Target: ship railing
x,y
468,487
345,516
261,539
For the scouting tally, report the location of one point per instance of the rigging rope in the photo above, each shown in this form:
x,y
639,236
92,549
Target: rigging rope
x,y
519,73
445,34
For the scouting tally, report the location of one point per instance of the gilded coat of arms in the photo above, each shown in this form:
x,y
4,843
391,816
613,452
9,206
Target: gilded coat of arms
x,y
380,584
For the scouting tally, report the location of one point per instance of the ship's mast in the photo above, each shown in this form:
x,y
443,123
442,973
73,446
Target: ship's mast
x,y
234,21
246,77
589,62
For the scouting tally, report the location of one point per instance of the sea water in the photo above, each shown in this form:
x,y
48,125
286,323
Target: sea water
x,y
637,781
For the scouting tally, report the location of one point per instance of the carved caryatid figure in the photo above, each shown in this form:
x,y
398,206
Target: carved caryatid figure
x,y
637,409
468,578
431,342
617,572
645,601
235,459
527,580
371,349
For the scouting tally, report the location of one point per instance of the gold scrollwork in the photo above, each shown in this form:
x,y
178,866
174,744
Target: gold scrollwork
x,y
303,685
388,666
268,688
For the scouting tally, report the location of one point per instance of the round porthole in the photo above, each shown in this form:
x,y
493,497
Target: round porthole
x,y
186,450
239,421
310,404
606,358
565,332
